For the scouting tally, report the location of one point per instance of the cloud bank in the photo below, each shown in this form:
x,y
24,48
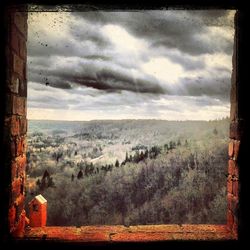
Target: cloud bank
x,y
117,65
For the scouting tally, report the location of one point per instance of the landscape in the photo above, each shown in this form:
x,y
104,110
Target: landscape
x,y
129,172
128,115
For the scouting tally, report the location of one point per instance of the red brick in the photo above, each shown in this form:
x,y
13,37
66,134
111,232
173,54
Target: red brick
x,y
18,65
229,185
231,149
17,147
19,105
233,203
23,87
20,228
21,163
235,225
15,189
19,203
23,125
14,170
15,105
236,171
20,20
230,219
12,216
18,167
231,167
22,191
14,84
14,39
22,48
11,125
12,149
21,146
236,149
235,188
14,126
27,221
229,200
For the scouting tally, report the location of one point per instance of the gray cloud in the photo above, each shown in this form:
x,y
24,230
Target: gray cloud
x,y
187,62
173,29
90,32
93,76
86,65
211,86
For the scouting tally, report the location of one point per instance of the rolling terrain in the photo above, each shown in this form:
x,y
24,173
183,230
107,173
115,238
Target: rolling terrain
x,y
129,171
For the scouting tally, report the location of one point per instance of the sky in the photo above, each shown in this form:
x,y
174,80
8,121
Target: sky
x,y
161,64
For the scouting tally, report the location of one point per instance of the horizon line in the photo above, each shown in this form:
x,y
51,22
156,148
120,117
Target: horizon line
x,y
128,119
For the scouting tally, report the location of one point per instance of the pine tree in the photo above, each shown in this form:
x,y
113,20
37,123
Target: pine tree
x,y
136,156
80,175
51,182
215,131
126,159
38,183
117,164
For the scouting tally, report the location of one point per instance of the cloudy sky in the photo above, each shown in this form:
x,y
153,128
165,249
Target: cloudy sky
x,y
170,65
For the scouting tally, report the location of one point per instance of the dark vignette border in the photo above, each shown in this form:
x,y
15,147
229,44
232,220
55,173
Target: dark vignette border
x,y
242,69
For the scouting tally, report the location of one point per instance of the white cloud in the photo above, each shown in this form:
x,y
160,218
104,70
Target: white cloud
x,y
124,42
163,69
218,60
52,25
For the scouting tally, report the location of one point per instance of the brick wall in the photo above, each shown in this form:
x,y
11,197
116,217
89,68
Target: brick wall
x,y
15,122
237,132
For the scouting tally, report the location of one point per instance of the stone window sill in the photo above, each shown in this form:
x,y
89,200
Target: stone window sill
x,y
142,233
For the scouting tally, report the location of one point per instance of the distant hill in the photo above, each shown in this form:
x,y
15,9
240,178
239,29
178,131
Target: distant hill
x,y
147,130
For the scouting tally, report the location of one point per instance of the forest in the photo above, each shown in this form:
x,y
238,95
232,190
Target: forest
x,y
129,172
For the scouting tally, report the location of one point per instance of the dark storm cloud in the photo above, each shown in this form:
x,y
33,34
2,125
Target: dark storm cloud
x,y
78,41
41,96
173,29
212,17
64,48
48,78
113,82
59,47
211,86
90,75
